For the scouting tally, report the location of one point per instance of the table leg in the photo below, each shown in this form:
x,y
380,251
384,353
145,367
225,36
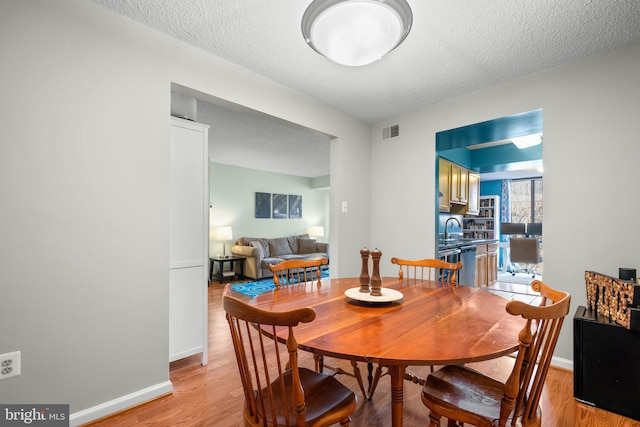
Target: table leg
x,y
397,394
220,270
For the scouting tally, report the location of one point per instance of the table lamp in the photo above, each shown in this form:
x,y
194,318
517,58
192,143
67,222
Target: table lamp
x,y
317,231
224,234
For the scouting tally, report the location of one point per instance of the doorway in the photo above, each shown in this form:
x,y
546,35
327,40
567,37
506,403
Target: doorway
x,y
488,150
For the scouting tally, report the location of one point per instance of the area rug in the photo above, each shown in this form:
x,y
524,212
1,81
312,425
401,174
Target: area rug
x,y
254,289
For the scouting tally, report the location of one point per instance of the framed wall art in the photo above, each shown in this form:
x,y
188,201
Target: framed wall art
x,y
279,206
295,206
263,205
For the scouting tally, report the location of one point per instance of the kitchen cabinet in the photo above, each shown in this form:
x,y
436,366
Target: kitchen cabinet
x,y
444,184
458,189
486,264
473,199
188,239
492,263
481,265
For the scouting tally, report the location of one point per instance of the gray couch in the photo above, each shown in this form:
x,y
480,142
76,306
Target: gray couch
x,y
261,252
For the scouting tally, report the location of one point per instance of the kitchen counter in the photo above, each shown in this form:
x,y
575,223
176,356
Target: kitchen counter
x,y
458,243
479,258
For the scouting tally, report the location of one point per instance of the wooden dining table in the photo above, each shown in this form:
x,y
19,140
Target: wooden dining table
x,y
433,323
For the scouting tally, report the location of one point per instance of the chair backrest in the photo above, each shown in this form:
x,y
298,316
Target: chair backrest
x,y
534,229
514,228
296,270
428,269
538,340
524,250
268,368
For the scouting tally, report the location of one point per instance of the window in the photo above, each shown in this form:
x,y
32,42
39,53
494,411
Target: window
x,y
526,200
526,206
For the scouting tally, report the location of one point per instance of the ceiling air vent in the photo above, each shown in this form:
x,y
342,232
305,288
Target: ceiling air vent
x,y
390,132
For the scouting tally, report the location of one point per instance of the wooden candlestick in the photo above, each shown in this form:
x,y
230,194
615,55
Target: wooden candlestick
x,y
376,282
364,274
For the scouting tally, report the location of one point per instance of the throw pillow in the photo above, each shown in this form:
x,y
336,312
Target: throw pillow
x,y
279,246
307,246
262,249
293,242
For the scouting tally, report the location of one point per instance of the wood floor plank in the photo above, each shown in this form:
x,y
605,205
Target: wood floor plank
x,y
212,395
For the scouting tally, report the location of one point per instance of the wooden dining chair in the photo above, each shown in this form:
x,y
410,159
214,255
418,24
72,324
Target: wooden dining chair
x,y
421,269
300,271
428,269
277,392
297,270
468,396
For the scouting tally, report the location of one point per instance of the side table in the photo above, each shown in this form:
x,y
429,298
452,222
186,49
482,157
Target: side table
x,y
221,274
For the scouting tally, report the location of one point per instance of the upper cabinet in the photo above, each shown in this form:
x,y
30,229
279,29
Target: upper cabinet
x,y
459,189
473,197
444,184
459,178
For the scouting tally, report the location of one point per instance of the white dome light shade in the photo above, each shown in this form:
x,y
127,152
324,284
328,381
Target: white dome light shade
x,y
356,32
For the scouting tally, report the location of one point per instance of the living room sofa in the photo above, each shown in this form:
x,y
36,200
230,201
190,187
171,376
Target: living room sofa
x,y
261,252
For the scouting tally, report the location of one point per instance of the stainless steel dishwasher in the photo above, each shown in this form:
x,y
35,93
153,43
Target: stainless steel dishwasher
x,y
468,272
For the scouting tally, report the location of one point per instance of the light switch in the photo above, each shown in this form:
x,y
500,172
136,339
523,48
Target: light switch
x,y
345,207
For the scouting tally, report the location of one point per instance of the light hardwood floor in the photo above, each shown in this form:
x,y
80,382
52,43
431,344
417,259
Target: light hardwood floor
x,y
212,395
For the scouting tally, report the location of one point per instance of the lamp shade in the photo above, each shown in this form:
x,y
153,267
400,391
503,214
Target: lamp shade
x,y
224,233
317,231
356,32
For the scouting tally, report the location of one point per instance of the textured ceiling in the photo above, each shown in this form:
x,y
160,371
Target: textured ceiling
x,y
454,47
259,142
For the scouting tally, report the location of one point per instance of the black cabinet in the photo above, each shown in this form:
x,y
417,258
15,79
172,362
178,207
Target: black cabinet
x,y
606,364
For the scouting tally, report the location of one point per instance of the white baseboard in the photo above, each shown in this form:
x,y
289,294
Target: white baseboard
x,y
119,404
559,362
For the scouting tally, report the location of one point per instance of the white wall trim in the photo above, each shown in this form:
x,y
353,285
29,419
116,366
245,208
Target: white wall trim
x,y
119,404
560,362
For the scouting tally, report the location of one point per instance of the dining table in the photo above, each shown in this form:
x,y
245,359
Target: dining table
x,y
415,323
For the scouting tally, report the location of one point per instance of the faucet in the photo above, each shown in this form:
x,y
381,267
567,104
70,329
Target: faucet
x,y
446,226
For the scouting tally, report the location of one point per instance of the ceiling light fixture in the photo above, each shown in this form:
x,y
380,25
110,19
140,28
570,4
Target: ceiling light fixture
x,y
356,32
527,141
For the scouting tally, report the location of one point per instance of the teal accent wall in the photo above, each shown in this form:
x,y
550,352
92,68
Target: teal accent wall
x,y
491,130
497,159
451,144
460,156
491,188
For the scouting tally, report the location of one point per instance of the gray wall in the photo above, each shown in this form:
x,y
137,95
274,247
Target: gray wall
x,y
84,178
590,156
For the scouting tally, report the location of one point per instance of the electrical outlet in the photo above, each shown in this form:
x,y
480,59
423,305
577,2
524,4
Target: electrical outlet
x,y
9,365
